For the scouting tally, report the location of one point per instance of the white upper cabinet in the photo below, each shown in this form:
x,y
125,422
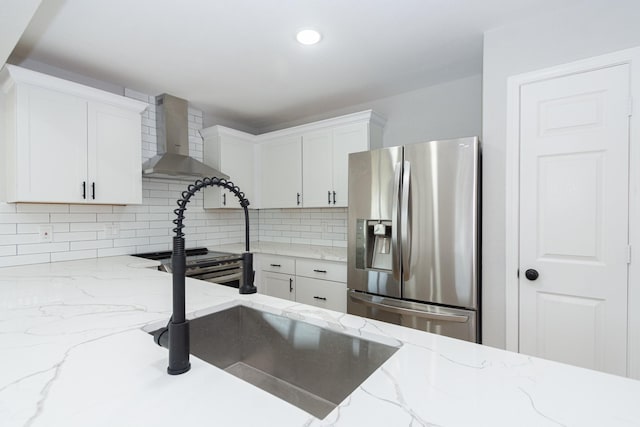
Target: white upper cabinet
x,y
233,153
281,178
68,143
312,160
317,168
325,163
302,166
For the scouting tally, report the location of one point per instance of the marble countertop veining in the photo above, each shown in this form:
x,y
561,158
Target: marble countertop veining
x,y
73,353
328,253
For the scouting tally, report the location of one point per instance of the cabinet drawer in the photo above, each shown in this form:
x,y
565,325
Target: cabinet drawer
x,y
322,293
278,264
325,270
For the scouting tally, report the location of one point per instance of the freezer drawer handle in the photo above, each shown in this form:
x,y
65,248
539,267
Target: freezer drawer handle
x,y
417,313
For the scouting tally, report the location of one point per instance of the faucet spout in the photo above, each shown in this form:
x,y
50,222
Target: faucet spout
x,y
178,327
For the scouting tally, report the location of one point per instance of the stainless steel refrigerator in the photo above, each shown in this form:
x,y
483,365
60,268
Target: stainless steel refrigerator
x,y
414,236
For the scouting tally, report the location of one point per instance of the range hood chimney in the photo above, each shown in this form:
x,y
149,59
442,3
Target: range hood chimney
x,y
173,159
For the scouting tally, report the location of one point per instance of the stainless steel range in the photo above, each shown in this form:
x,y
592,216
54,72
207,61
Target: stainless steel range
x,y
223,268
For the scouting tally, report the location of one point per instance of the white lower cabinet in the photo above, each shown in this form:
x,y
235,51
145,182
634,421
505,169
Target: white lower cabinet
x,y
279,285
322,293
314,282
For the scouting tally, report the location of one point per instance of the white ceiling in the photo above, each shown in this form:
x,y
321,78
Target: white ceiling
x,y
238,59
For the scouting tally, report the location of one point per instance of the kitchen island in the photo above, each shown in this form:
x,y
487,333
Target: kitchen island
x,y
74,353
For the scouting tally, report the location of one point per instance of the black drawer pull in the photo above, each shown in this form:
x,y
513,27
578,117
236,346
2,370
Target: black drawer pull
x,y
334,197
290,285
84,189
298,199
93,190
320,271
275,265
320,298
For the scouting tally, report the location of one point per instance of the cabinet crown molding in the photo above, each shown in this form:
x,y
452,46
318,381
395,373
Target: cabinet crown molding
x,y
12,74
223,130
362,116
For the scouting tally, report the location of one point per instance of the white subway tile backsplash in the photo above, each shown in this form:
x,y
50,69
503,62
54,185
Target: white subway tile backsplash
x,y
99,209
68,256
73,217
91,244
60,227
8,228
19,239
24,259
8,250
37,207
112,217
134,241
86,226
127,250
26,218
74,236
39,248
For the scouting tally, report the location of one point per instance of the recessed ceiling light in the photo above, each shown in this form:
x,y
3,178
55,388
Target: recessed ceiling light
x,y
308,36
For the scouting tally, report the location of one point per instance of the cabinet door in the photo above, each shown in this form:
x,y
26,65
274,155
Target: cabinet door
x,y
322,293
317,169
236,160
50,147
279,285
346,140
114,155
281,162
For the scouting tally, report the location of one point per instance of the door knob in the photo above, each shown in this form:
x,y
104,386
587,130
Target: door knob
x,y
531,274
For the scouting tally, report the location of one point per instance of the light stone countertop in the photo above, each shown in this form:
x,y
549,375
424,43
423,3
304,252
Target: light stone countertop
x,y
73,354
328,253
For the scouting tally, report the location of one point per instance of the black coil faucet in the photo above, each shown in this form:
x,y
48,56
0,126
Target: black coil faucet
x,y
178,327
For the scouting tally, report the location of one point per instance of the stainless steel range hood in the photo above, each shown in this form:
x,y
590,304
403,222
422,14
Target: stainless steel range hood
x,y
173,159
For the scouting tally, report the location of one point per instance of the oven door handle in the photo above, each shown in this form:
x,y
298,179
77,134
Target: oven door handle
x,y
218,279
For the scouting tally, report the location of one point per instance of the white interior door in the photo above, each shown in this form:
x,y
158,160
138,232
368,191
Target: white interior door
x,y
574,176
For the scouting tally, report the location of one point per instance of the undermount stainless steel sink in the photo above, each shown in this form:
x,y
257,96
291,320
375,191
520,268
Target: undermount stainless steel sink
x,y
308,366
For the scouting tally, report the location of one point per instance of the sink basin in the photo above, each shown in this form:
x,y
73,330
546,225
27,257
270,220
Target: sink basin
x,y
308,366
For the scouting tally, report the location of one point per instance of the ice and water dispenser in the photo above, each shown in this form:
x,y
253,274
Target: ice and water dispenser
x,y
374,250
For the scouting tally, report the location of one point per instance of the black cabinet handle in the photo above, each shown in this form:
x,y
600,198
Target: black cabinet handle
x,y
334,197
275,265
93,190
298,198
290,285
84,189
320,271
224,199
329,197
320,298
531,274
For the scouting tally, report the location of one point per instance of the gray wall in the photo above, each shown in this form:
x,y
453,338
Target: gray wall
x,y
446,110
596,27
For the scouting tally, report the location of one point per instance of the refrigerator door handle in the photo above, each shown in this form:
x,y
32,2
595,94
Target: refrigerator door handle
x,y
395,223
360,298
405,225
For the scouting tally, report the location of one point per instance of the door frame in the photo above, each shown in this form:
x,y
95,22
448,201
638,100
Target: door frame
x,y
512,194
